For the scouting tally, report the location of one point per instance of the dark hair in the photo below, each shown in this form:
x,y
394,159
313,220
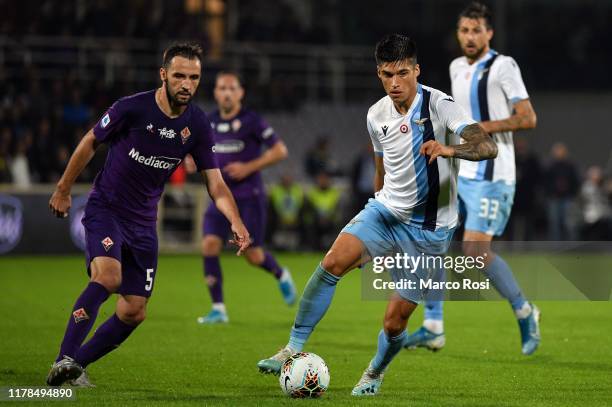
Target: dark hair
x,y
230,72
186,50
476,10
394,48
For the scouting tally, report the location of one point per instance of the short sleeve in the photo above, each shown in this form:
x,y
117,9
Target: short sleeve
x,y
452,115
112,121
511,81
378,150
203,149
265,133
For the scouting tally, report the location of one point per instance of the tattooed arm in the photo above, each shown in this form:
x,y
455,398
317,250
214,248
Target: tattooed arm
x,y
478,146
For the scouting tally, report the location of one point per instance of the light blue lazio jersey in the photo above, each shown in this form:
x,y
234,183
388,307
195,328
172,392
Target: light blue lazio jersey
x,y
488,89
415,192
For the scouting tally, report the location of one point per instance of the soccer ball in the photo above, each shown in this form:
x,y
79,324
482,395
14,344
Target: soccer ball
x,y
304,375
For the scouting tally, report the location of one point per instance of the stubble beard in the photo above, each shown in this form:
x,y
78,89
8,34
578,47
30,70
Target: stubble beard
x,y
174,102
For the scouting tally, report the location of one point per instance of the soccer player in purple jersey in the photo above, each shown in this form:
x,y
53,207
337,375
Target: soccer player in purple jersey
x,y
148,135
239,136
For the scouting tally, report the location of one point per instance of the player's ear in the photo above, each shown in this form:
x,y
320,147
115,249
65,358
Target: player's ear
x,y
417,70
378,72
490,33
163,75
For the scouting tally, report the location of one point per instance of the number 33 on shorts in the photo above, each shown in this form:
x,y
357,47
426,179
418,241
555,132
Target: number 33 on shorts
x,y
488,208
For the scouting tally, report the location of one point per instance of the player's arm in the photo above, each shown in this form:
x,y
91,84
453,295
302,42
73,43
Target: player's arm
x,y
478,146
511,82
221,195
379,168
60,200
524,118
240,170
379,174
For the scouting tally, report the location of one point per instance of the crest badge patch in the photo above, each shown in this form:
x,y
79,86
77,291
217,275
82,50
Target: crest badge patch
x,y
185,133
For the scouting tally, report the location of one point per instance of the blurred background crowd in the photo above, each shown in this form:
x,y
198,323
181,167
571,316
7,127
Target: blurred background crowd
x,y
308,68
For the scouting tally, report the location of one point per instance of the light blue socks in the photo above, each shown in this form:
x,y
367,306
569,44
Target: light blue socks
x,y
315,301
388,347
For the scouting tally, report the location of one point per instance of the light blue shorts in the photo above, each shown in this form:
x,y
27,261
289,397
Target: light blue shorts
x,y
485,206
384,235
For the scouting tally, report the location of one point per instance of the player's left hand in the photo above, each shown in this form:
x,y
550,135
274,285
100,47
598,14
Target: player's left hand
x,y
237,170
242,239
433,150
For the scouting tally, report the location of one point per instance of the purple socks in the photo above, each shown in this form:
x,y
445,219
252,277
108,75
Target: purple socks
x,y
82,319
214,279
108,337
270,265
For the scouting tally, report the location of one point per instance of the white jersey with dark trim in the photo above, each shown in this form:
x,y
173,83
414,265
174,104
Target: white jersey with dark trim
x,y
415,192
488,89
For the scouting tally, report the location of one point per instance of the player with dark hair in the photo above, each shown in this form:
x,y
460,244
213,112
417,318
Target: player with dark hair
x,y
490,86
148,135
239,135
408,129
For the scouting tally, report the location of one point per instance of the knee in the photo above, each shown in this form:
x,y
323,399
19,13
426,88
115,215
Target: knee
x,y
255,256
110,279
394,326
475,249
211,246
333,264
132,314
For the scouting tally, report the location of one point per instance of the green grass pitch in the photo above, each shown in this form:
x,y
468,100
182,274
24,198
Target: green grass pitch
x,y
172,360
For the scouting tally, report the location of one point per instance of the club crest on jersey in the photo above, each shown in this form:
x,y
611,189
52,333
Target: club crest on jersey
x,y
404,128
80,315
223,127
236,125
185,133
166,133
105,120
107,243
421,123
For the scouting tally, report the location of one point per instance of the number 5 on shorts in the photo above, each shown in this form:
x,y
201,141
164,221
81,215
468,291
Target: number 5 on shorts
x,y
149,284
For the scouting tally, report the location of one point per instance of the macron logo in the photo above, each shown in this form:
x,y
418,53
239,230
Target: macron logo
x,y
162,163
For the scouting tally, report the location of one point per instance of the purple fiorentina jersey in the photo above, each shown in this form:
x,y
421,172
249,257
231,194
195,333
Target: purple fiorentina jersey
x,y
145,147
241,139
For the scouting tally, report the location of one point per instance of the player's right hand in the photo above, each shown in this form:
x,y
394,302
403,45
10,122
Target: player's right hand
x,y
242,239
60,203
433,150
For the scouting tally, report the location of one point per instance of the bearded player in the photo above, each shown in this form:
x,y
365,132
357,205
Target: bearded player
x,y
490,86
148,135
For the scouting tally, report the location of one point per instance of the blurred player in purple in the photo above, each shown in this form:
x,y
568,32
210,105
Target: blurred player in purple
x,y
148,135
239,136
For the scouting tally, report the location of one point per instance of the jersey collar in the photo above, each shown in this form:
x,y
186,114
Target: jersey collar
x,y
482,59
